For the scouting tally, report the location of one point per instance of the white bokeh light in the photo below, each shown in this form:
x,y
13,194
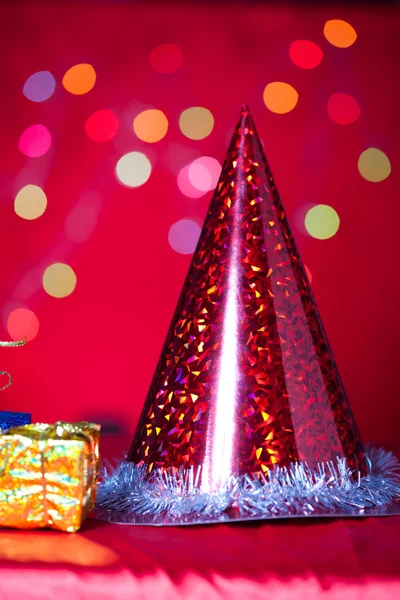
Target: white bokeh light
x,y
30,203
133,169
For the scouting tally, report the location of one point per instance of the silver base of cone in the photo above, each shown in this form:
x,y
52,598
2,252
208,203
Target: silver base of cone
x,y
164,521
130,495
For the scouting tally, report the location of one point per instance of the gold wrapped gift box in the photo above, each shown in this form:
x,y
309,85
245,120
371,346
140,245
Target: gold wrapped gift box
x,y
48,475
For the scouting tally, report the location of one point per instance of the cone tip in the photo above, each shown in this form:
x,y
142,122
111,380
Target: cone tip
x,y
246,120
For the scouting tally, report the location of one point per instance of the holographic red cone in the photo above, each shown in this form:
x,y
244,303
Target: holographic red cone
x,y
246,380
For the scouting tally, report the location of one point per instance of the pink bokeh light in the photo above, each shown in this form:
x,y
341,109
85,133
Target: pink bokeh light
x,y
183,236
204,173
186,186
102,125
35,141
22,323
343,108
166,58
305,54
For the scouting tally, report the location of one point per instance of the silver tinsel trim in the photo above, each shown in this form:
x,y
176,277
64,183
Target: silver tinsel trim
x,y
130,493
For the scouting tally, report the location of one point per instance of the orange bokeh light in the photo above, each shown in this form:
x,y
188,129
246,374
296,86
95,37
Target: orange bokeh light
x,y
280,97
340,33
150,125
79,79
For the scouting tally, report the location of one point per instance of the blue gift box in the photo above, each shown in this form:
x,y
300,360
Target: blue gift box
x,y
13,419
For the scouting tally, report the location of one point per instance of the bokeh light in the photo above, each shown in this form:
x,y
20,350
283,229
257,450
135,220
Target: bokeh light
x,y
322,222
79,79
59,280
343,109
305,54
133,169
204,173
166,58
374,165
81,222
183,236
30,202
280,97
196,123
22,323
102,125
177,155
340,33
35,141
186,187
150,125
39,86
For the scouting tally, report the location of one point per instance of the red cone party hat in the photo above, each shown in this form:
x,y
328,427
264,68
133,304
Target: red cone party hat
x,y
246,412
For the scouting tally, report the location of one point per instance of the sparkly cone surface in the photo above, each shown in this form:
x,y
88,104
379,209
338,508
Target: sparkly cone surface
x,y
246,381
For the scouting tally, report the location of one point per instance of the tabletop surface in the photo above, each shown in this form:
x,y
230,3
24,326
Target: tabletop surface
x,y
349,559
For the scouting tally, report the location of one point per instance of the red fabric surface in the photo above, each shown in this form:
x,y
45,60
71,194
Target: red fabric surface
x,y
336,560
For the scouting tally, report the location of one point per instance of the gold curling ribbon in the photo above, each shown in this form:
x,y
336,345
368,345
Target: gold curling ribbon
x,y
15,344
9,380
48,475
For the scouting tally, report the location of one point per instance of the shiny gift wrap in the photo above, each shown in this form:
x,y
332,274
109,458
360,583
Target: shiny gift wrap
x,y
48,475
10,419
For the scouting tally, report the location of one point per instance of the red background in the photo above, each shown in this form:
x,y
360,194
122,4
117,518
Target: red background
x,y
96,350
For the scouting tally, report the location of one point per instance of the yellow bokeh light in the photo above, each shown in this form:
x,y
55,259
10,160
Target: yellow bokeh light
x,y
59,280
133,169
30,202
280,97
196,123
322,222
340,33
150,125
374,165
79,79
